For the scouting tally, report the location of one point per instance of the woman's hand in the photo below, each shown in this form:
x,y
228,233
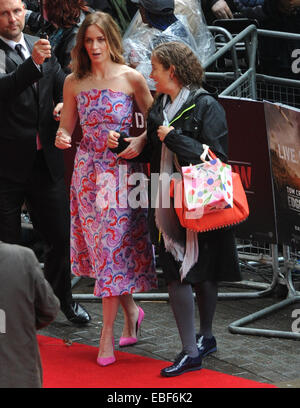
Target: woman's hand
x,y
163,131
63,139
113,139
135,147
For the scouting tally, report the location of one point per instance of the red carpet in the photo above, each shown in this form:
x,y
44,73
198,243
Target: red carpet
x,y
75,367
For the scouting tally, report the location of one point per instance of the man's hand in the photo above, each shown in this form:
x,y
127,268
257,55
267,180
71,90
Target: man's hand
x,y
57,111
41,51
221,10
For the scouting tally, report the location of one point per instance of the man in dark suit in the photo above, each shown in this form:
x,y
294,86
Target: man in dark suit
x,y
31,167
28,304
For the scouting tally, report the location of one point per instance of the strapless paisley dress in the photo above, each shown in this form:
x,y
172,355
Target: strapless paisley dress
x,y
110,241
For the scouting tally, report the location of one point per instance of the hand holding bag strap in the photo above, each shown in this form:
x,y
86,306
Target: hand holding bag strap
x,y
207,152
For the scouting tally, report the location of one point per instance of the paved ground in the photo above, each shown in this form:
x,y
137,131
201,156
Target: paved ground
x,y
272,360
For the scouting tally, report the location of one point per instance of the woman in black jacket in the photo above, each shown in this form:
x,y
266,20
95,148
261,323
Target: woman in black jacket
x,y
188,259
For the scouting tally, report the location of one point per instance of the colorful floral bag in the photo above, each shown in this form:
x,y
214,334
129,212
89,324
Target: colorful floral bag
x,y
208,185
200,220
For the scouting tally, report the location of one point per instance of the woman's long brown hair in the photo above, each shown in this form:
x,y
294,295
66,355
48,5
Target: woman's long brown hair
x,y
81,64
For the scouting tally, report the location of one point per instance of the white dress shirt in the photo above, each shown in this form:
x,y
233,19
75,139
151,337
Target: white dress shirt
x,y
12,44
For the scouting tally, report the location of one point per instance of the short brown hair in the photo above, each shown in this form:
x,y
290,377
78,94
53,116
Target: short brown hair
x,y
81,64
188,69
64,13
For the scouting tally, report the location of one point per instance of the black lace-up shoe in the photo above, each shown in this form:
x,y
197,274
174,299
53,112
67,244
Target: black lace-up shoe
x,y
206,345
183,363
76,314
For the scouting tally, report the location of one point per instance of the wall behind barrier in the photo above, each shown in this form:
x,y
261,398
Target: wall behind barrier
x,y
249,155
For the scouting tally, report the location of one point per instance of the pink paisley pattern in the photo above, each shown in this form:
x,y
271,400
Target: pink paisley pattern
x,y
109,240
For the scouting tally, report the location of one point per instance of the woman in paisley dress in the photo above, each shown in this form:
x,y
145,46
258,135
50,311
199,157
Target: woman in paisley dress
x,y
109,238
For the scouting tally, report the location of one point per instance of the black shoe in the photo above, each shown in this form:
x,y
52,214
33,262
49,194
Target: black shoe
x,y
206,345
183,363
76,314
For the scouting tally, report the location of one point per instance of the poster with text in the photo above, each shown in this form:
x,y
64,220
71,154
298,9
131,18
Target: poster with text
x,y
283,128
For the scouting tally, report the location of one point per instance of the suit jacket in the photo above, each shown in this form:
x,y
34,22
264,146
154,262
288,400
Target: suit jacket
x,y
26,110
27,303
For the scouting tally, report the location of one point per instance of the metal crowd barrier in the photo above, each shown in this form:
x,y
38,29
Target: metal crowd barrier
x,y
223,80
251,85
293,297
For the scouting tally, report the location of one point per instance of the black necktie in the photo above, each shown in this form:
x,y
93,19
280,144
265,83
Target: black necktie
x,y
18,48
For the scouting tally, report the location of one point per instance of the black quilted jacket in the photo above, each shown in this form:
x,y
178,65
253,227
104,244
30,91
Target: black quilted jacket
x,y
200,120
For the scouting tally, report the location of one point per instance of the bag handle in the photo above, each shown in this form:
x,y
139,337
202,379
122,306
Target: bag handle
x,y
207,152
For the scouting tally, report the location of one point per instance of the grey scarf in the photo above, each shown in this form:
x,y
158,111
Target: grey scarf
x,y
181,243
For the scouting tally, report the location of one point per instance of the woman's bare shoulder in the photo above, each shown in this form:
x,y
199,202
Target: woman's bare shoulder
x,y
71,82
132,73
74,84
134,77
71,79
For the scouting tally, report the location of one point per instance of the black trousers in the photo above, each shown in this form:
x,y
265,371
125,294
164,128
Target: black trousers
x,y
48,205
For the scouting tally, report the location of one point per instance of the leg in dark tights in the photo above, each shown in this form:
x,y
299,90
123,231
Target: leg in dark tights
x,y
206,295
183,306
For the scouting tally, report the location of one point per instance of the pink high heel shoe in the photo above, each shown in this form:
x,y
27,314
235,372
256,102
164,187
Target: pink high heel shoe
x,y
130,341
105,361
